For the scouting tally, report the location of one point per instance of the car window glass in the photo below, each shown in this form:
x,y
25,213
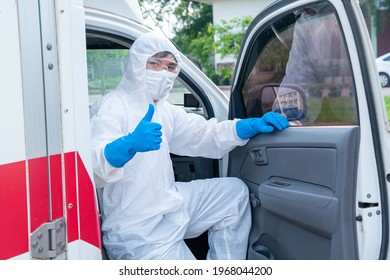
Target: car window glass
x,y
105,71
302,53
107,59
183,96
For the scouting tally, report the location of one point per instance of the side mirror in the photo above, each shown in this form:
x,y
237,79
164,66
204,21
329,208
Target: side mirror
x,y
288,100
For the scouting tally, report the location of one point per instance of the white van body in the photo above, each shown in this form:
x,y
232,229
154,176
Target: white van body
x,y
48,200
317,191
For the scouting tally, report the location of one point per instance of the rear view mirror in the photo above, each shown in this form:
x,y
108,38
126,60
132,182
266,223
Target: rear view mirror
x,y
288,100
191,101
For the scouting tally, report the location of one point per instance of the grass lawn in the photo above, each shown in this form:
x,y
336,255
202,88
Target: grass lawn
x,y
387,102
332,110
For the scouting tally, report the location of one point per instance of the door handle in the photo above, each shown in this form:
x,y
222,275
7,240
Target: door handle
x,y
259,156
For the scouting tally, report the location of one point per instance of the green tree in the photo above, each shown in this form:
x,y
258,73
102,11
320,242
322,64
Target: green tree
x,y
160,7
193,34
228,36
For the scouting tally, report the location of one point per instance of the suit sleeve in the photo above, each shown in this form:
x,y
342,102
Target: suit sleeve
x,y
193,135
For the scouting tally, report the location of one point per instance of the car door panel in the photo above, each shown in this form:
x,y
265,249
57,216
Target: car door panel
x,y
304,205
315,188
296,192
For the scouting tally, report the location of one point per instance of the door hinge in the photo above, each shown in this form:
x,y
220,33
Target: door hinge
x,y
49,240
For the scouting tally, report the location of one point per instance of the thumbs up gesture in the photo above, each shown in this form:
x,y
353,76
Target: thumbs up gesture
x,y
147,134
145,137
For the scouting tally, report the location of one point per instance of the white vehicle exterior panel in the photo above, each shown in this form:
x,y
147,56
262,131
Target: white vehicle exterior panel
x,y
79,193
123,8
369,231
11,111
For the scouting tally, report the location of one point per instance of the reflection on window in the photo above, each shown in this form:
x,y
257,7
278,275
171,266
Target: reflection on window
x,y
182,95
306,49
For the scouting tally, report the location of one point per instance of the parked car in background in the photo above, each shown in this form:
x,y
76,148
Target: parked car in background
x,y
383,64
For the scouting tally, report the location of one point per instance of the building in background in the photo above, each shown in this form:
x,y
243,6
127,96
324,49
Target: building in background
x,y
383,40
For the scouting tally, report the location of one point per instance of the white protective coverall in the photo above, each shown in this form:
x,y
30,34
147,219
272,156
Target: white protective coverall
x,y
146,214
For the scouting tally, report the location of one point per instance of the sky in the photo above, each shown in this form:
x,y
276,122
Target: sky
x,y
166,26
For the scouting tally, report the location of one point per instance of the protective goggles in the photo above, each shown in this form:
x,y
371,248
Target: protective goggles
x,y
158,64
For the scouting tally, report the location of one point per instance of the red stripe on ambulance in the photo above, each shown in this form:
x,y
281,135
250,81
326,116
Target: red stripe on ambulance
x,y
71,197
39,192
57,204
81,209
89,217
13,210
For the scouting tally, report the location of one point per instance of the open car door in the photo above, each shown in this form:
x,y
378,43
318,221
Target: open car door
x,y
318,189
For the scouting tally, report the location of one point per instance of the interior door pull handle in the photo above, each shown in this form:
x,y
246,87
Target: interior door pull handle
x,y
278,184
259,156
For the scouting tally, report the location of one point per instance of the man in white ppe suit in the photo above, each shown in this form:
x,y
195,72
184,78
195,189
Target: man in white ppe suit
x,y
146,214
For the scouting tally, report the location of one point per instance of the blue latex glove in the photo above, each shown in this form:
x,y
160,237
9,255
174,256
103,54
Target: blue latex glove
x,y
248,128
145,137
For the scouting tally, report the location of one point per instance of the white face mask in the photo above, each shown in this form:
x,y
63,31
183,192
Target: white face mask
x,y
159,83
